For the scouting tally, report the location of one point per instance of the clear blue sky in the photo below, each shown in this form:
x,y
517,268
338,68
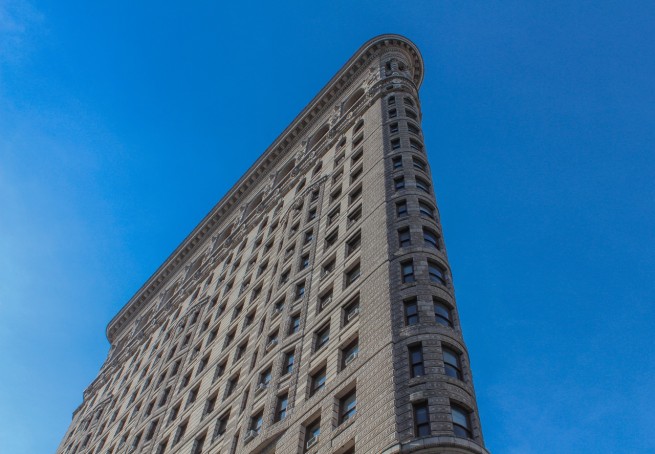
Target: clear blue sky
x,y
122,123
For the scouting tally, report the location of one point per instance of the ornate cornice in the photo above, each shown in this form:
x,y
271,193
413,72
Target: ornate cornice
x,y
277,152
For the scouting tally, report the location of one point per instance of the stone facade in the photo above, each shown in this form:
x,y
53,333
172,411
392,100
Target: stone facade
x,y
312,311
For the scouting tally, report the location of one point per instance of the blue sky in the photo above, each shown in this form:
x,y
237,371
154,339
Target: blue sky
x,y
123,123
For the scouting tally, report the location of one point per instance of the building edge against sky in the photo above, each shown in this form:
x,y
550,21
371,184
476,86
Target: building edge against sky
x,y
312,310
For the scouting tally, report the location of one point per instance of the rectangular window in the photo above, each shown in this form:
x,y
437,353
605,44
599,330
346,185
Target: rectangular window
x,y
329,267
423,185
353,274
395,144
221,425
325,299
393,128
461,421
311,215
300,290
281,407
294,324
430,238
356,157
397,162
355,174
452,363
354,216
411,312
401,209
418,164
198,444
349,353
304,262
437,273
318,381
393,113
312,431
309,236
332,216
256,422
355,195
426,210
348,406
322,337
404,237
421,419
415,144
332,238
391,101
407,271
181,430
210,404
399,183
442,314
416,368
351,310
353,243
289,359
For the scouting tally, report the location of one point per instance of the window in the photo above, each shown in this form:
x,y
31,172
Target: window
x,y
210,404
391,101
397,162
229,338
314,198
461,421
311,215
325,299
339,159
418,164
185,381
289,359
407,271
256,422
415,145
411,114
351,310
353,243
294,324
329,267
334,196
272,339
349,353
322,337
356,157
221,425
416,361
300,290
395,144
423,185
151,430
408,102
430,238
355,216
281,407
284,277
198,444
421,419
411,312
312,431
452,363
193,395
304,262
442,314
231,385
393,113
358,126
355,194
164,396
404,237
426,210
202,364
318,381
401,209
393,128
250,317
309,236
161,448
399,183
331,238
353,274
332,216
220,370
437,273
412,128
241,349
347,406
174,412
181,429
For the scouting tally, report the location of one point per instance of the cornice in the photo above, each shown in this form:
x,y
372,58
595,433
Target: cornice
x,y
259,171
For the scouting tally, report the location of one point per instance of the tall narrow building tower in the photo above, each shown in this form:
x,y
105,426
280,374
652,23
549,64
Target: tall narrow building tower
x,y
312,310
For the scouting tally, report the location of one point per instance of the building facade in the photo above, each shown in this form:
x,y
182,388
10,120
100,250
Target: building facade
x,y
312,310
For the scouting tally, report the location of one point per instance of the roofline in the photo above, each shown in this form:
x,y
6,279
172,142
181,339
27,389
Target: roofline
x,y
259,168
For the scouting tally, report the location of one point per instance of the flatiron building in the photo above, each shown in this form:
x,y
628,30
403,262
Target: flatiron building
x,y
312,310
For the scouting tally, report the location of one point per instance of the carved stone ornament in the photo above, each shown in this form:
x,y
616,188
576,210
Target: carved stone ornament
x,y
334,117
